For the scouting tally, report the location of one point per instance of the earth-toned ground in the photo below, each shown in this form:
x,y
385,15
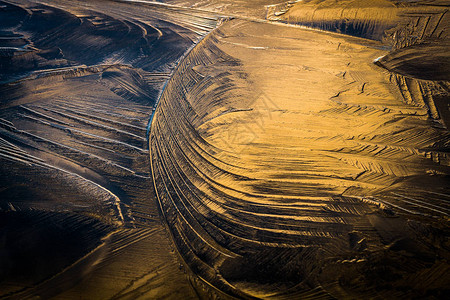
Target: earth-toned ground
x,y
224,149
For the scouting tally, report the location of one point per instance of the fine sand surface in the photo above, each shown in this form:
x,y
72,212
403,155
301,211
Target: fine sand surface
x,y
185,149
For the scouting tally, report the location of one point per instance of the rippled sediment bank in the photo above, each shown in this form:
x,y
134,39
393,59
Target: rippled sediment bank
x,y
276,171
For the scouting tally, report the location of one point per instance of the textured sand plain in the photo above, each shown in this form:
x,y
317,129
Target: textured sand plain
x,y
284,162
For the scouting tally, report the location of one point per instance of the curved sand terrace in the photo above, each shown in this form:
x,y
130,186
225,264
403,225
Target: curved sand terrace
x,y
275,151
285,162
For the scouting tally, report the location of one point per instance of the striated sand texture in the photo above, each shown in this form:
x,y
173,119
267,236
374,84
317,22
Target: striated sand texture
x,y
216,149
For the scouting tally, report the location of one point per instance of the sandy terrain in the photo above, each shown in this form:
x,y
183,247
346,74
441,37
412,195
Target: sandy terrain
x,y
224,149
276,168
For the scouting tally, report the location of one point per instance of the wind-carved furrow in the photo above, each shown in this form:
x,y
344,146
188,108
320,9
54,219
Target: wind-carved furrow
x,y
201,205
102,195
417,33
423,204
251,169
419,61
92,140
132,114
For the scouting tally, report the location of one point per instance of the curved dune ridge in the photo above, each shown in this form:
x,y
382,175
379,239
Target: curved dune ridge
x,y
272,168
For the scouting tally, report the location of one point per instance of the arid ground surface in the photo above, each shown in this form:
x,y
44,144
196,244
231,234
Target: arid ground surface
x,y
218,149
